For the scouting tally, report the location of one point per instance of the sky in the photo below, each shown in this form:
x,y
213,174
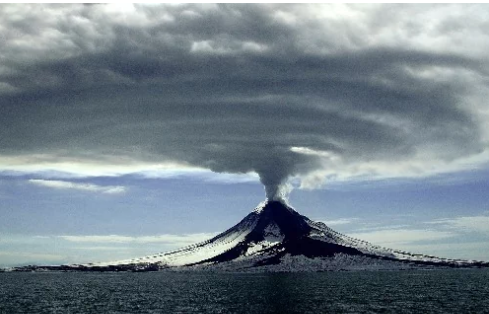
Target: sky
x,y
130,129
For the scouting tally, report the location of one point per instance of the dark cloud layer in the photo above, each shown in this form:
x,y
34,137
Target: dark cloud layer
x,y
279,90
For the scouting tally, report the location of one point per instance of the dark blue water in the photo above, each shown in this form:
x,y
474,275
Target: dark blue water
x,y
441,291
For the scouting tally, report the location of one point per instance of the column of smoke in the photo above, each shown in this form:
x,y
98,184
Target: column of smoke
x,y
276,188
278,192
280,165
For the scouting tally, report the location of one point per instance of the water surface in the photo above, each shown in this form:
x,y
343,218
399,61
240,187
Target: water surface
x,y
440,291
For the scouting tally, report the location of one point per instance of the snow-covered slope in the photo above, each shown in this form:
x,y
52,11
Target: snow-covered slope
x,y
276,237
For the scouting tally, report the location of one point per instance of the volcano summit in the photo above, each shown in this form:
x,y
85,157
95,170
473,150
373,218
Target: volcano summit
x,y
275,237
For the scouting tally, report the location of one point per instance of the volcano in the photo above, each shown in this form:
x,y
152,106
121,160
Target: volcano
x,y
275,237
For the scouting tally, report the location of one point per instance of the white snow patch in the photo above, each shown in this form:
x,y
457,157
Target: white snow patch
x,y
258,209
194,253
273,234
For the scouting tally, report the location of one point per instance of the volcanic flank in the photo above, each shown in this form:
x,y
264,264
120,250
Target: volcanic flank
x,y
275,237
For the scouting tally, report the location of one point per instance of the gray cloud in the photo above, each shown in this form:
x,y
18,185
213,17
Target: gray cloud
x,y
235,88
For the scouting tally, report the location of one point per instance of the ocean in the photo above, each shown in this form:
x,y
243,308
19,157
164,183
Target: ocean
x,y
420,291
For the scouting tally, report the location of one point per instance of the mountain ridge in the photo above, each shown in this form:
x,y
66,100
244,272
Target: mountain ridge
x,y
275,237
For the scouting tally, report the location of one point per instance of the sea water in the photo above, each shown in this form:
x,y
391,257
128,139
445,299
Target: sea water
x,y
428,291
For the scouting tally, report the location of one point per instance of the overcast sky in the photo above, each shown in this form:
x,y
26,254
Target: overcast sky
x,y
127,126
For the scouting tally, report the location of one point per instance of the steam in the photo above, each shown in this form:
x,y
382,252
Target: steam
x,y
274,174
279,192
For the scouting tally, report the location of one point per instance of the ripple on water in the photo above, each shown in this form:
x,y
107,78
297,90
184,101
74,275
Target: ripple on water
x,y
440,291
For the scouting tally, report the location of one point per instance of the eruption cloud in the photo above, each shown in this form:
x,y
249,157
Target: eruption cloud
x,y
276,186
273,89
278,192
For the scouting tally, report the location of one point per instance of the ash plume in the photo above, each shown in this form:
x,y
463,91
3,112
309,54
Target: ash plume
x,y
271,89
278,192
